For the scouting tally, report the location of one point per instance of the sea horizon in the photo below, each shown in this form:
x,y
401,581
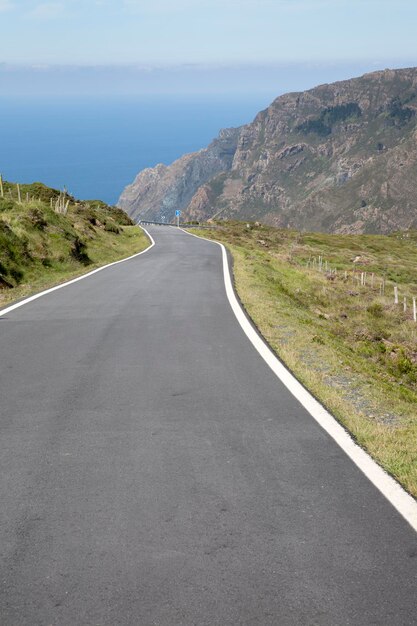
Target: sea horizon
x,y
95,146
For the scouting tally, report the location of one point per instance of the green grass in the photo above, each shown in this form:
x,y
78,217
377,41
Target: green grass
x,y
351,346
40,247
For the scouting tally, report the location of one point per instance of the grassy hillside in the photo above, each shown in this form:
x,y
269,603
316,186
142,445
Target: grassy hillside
x,y
348,342
47,237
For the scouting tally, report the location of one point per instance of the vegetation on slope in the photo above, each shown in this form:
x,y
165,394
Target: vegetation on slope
x,y
350,344
43,244
323,124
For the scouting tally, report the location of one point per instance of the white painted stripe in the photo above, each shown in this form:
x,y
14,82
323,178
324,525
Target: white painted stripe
x,y
17,305
397,496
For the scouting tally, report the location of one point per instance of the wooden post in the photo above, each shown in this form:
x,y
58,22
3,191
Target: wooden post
x,y
405,304
19,197
395,294
1,186
414,310
372,280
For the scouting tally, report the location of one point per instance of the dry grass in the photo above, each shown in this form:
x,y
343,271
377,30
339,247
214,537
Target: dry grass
x,y
352,347
40,248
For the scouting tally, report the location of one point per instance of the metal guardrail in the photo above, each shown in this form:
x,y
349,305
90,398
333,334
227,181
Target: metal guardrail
x,y
185,225
148,222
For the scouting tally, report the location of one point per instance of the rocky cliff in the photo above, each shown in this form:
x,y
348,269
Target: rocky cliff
x,y
157,192
339,158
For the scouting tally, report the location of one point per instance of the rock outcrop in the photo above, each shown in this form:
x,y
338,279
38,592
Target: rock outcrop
x,y
337,158
157,192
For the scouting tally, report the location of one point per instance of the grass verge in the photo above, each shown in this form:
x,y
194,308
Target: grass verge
x,y
40,247
348,342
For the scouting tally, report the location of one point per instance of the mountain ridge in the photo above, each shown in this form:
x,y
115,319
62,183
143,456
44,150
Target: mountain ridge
x,y
341,157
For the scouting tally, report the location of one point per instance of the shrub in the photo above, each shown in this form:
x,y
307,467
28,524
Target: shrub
x,y
404,364
322,125
400,115
375,309
79,251
110,227
37,219
6,205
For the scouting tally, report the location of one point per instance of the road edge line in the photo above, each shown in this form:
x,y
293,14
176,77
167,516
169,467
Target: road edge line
x,y
17,305
402,501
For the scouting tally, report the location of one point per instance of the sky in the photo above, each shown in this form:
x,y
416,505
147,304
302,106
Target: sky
x,y
147,43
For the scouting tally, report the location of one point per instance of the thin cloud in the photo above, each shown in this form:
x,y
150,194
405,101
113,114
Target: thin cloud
x,y
48,11
163,6
6,5
169,6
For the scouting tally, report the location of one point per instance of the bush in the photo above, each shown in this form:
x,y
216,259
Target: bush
x,y
375,309
322,125
6,205
79,251
110,227
37,219
404,364
400,115
120,217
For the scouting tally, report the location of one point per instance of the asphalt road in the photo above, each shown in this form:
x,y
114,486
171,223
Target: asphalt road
x,y
154,471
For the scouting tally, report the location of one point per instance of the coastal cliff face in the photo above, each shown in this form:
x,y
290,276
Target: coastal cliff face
x,y
157,192
337,158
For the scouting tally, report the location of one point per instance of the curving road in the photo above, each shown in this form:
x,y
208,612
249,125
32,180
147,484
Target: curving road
x,y
154,471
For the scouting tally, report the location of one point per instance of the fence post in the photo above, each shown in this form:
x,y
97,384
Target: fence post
x,y
414,310
395,294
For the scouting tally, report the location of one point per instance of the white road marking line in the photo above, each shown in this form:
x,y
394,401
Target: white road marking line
x,y
74,280
397,496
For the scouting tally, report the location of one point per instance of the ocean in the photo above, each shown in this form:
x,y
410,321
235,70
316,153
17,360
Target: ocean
x,y
95,146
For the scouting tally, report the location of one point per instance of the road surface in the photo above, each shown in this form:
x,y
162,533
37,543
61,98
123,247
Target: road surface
x,y
154,471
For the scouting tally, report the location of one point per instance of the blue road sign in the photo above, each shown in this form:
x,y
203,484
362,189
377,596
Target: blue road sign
x,y
177,213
